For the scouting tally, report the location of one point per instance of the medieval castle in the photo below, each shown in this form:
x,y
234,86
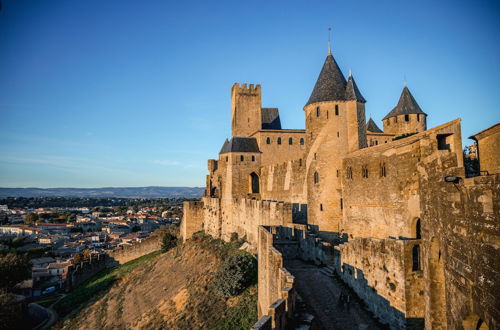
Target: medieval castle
x,y
392,212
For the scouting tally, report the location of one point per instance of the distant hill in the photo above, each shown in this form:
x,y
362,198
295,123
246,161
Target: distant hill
x,y
126,192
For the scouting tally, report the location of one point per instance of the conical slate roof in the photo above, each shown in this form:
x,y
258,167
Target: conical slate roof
x,y
352,92
372,127
406,105
330,85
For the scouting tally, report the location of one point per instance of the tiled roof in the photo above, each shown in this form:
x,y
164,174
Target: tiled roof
x,y
270,118
352,92
331,83
372,127
406,105
240,144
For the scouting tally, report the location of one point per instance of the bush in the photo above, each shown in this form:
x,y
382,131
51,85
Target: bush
x,y
13,269
169,241
235,274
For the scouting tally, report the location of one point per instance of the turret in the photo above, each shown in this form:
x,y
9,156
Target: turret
x,y
335,126
245,109
406,117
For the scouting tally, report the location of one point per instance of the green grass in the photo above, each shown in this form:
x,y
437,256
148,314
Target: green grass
x,y
94,287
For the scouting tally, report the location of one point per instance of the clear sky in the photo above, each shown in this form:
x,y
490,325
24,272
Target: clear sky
x,y
132,93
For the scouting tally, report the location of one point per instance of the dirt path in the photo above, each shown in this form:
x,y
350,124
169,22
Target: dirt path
x,y
321,293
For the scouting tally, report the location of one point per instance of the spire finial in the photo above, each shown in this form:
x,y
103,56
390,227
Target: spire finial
x,y
405,80
350,73
329,48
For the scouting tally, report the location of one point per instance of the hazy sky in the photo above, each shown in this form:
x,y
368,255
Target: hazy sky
x,y
132,93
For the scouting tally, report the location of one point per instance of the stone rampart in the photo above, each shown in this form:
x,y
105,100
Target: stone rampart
x,y
192,219
383,274
276,293
123,254
82,271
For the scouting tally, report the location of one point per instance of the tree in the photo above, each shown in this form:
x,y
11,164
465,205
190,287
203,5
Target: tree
x,y
136,228
12,312
86,254
169,241
30,218
14,268
235,274
77,258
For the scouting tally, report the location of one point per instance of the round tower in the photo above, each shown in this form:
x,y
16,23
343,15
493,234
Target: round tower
x,y
406,117
335,126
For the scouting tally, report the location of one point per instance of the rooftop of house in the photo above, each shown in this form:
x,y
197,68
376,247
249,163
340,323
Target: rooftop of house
x,y
240,144
406,105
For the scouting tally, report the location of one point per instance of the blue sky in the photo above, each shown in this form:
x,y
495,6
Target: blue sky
x,y
132,93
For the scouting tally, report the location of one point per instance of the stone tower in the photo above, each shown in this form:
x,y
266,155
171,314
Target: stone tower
x,y
245,109
335,126
406,117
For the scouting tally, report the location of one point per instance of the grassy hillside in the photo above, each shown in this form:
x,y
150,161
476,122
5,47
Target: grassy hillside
x,y
202,284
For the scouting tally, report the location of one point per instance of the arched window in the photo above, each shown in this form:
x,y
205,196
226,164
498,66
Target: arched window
x,y
301,141
290,141
349,172
314,156
336,109
416,257
279,140
316,178
395,119
407,117
253,158
254,183
326,114
418,230
227,159
300,161
338,173
268,140
364,171
317,112
242,158
321,207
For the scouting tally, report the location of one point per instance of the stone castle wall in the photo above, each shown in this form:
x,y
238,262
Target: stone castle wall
x,y
381,273
284,182
126,253
398,125
275,152
461,246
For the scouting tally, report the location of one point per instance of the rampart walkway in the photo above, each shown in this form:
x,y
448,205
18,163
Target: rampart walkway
x,y
321,293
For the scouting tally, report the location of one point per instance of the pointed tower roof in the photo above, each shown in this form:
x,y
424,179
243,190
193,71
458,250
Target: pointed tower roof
x,y
372,127
331,83
405,106
352,92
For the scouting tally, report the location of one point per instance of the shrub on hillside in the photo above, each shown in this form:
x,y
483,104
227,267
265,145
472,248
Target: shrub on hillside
x,y
235,274
169,241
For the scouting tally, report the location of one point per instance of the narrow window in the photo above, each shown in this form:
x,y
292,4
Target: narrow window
x,y
338,134
407,117
364,171
253,158
395,119
242,158
382,170
376,142
338,172
326,114
279,140
314,156
227,159
341,204
388,122
418,117
268,140
416,257
301,141
418,232
300,162
316,178
317,112
290,141
321,207
336,109
349,172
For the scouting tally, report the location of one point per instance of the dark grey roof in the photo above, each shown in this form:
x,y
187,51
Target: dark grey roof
x,y
352,92
372,127
406,105
331,83
271,118
240,144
